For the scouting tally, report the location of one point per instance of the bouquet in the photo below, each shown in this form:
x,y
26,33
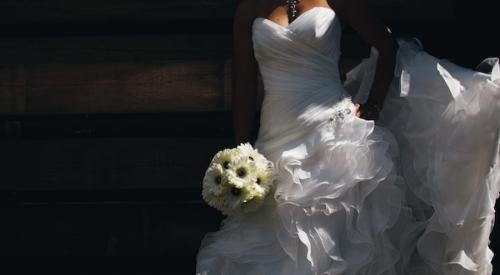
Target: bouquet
x,y
238,180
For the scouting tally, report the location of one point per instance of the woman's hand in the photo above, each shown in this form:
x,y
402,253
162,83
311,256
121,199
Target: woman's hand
x,y
367,111
358,111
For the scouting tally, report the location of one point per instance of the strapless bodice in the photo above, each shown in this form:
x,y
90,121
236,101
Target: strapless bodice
x,y
299,68
303,54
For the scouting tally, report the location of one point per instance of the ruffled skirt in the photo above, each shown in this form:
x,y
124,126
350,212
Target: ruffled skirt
x,y
413,194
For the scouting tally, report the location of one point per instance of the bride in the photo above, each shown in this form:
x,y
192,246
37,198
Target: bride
x,y
412,194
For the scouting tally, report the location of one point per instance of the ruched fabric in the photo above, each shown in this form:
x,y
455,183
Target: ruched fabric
x,y
413,194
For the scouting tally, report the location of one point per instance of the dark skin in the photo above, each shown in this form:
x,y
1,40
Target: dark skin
x,y
354,13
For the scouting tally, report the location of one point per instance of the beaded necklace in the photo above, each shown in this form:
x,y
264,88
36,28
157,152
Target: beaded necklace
x,y
292,7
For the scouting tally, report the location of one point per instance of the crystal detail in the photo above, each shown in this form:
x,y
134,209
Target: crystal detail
x,y
341,110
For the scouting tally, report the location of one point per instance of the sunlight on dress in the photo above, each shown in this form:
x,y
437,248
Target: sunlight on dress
x,y
414,194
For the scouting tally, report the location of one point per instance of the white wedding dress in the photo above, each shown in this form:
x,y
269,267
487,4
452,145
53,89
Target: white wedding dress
x,y
413,194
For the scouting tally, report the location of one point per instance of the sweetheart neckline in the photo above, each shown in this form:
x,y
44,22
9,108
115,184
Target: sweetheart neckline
x,y
290,24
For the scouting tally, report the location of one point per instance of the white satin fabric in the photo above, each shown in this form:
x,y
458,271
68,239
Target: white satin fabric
x,y
414,195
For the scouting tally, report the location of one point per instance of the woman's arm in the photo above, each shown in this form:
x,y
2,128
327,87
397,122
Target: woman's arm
x,y
244,71
373,31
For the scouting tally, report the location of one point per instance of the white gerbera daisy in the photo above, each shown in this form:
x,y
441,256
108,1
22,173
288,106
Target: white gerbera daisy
x,y
254,201
214,185
213,179
242,193
264,178
237,193
242,167
251,153
226,157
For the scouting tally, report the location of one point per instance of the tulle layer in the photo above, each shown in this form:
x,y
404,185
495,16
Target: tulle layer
x,y
415,196
446,120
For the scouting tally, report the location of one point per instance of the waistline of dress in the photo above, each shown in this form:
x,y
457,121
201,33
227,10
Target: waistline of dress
x,y
311,119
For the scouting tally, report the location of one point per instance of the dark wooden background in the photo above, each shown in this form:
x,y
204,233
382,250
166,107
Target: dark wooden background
x,y
110,111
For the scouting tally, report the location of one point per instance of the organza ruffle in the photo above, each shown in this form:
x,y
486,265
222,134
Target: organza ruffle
x,y
336,199
446,120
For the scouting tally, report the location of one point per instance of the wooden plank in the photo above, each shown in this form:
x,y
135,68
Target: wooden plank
x,y
32,11
122,88
117,125
12,88
107,230
116,88
113,49
114,163
114,74
165,27
132,197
